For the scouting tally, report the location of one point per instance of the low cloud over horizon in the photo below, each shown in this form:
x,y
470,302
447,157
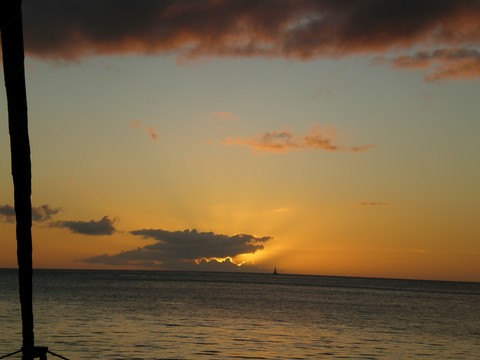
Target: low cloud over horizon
x,y
173,250
448,31
185,249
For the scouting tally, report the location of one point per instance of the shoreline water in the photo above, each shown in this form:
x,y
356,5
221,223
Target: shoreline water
x,y
123,314
255,273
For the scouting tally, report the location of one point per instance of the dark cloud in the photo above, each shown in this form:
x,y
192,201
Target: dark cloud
x,y
283,141
185,249
7,213
44,212
215,265
92,227
444,63
300,29
39,214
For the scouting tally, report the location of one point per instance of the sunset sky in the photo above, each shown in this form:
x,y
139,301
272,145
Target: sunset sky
x,y
321,137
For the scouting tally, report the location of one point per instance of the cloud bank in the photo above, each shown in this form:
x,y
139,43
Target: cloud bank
x,y
39,214
283,141
292,29
103,226
183,249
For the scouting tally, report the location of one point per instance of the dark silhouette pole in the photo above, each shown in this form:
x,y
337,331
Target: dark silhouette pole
x,y
14,73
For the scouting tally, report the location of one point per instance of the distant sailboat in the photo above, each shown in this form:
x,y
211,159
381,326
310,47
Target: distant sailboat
x,y
275,271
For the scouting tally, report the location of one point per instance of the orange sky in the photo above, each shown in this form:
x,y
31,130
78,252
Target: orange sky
x,y
319,138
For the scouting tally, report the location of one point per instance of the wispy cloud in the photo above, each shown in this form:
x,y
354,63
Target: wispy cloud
x,y
283,210
103,226
285,140
291,29
150,131
153,133
373,203
322,92
180,248
223,116
39,214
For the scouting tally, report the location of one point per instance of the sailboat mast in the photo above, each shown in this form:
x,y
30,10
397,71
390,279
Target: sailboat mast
x,y
14,73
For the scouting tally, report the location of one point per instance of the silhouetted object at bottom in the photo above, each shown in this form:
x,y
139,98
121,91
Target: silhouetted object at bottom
x,y
39,352
14,73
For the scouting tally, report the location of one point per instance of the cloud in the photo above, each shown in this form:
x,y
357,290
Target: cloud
x,y
224,116
445,63
184,249
216,265
373,203
39,214
322,92
291,29
136,124
283,210
44,212
276,141
152,132
7,213
283,141
92,227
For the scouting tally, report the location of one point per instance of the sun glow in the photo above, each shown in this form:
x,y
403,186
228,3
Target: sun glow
x,y
219,260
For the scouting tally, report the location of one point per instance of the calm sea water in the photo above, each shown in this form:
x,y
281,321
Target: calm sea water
x,y
198,315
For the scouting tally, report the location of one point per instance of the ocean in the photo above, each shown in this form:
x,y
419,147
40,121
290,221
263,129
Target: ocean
x,y
82,314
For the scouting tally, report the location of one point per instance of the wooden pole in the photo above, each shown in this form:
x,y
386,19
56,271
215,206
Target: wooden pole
x,y
14,73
